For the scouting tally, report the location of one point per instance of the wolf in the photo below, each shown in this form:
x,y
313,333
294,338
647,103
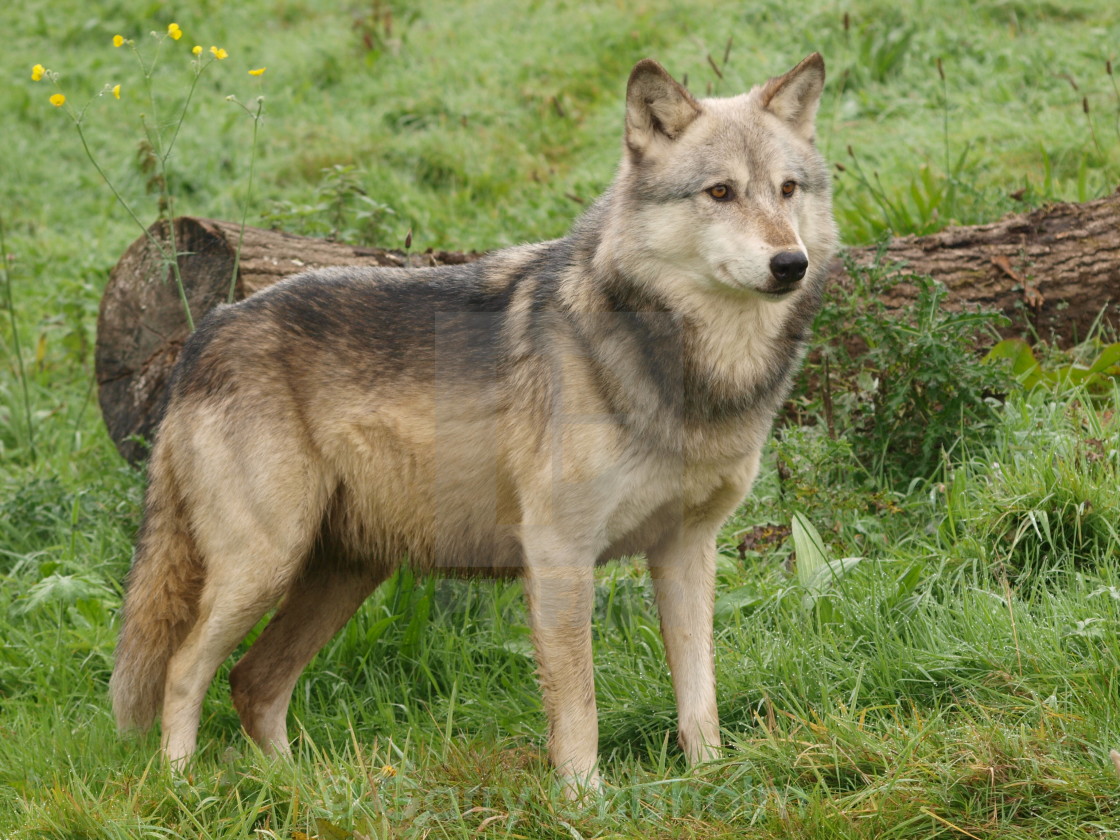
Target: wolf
x,y
545,409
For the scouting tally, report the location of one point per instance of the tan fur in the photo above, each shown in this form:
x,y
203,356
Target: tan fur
x,y
546,409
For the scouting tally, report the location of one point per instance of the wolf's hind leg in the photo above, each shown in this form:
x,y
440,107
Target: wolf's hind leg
x,y
319,602
255,534
236,594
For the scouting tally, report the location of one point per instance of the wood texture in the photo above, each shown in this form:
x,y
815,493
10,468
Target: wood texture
x,y
1053,272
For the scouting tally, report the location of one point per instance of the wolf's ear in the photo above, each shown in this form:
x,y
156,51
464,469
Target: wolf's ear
x,y
657,106
795,96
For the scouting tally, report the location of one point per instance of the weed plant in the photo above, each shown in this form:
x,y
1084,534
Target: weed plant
x,y
160,134
903,387
918,619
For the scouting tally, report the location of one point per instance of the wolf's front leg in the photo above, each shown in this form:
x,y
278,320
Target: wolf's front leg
x,y
683,572
560,594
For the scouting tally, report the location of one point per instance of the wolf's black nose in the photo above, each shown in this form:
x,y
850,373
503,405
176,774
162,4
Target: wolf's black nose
x,y
788,266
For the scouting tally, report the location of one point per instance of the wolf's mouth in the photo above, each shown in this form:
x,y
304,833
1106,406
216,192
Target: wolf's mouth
x,y
772,290
781,289
779,293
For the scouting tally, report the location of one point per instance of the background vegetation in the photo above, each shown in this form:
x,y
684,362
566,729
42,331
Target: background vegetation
x,y
940,660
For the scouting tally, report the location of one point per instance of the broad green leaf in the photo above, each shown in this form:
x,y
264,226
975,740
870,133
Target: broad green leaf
x,y
830,573
811,554
1024,364
1108,359
378,628
737,601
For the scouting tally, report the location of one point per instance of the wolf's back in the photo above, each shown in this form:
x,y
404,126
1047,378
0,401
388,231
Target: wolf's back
x,y
161,601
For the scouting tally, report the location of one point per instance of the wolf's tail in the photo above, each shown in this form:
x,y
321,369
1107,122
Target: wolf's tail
x,y
161,602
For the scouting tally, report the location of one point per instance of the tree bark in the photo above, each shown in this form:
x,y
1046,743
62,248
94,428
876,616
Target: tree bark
x,y
1053,272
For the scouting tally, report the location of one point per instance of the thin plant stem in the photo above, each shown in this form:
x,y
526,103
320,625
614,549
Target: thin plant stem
x,y
109,183
1092,128
171,258
945,117
146,71
1116,92
248,198
75,436
183,112
16,346
163,154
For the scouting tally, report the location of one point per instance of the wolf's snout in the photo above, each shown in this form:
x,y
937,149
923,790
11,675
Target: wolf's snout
x,y
788,266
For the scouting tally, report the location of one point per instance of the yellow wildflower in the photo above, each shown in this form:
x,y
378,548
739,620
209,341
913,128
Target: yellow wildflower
x,y
174,31
196,49
258,72
218,53
388,770
37,72
118,40
58,100
117,91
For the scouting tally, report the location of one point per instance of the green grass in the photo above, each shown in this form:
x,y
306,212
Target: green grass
x,y
961,678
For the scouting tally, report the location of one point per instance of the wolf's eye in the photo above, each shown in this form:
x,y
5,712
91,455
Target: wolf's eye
x,y
720,192
789,188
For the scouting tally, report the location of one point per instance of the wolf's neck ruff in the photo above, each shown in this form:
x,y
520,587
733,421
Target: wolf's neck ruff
x,y
546,408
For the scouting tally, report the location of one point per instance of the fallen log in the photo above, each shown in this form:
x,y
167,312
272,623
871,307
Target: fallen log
x,y
1053,272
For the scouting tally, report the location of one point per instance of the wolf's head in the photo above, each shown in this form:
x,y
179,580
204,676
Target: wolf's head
x,y
729,194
